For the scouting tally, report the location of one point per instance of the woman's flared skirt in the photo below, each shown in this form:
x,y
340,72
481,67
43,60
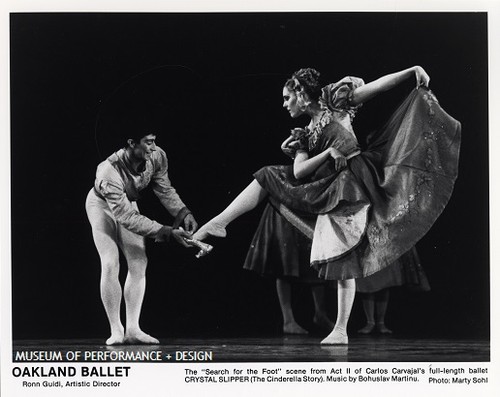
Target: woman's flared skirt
x,y
362,219
279,250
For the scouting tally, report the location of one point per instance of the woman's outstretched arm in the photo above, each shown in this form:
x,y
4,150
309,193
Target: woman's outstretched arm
x,y
385,83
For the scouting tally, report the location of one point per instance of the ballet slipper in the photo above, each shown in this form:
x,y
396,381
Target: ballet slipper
x,y
335,338
367,329
210,228
204,248
381,328
139,337
294,329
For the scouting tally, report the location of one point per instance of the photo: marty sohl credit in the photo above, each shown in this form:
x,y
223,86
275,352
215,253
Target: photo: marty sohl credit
x,y
250,188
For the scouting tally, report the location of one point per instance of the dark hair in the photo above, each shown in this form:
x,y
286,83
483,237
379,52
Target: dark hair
x,y
308,80
137,128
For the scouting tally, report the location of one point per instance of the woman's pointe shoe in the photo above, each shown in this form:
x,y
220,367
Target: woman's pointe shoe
x,y
335,338
204,248
209,229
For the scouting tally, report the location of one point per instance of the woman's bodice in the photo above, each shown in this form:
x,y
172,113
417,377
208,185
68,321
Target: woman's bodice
x,y
334,128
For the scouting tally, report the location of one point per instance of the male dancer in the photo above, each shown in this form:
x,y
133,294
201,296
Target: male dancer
x,y
117,224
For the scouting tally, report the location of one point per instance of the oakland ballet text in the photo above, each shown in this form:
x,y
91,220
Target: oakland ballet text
x,y
31,375
67,371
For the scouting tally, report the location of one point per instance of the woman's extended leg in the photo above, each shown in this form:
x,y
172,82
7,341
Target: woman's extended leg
x,y
134,250
247,200
284,290
346,292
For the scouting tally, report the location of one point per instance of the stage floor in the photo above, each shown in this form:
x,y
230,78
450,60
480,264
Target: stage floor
x,y
282,349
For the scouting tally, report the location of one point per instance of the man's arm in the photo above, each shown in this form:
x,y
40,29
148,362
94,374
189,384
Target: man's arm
x,y
168,196
125,212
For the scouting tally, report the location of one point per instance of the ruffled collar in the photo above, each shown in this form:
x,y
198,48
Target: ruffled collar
x,y
315,132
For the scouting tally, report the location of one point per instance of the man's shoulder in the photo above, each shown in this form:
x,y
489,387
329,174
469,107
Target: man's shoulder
x,y
159,158
107,169
159,152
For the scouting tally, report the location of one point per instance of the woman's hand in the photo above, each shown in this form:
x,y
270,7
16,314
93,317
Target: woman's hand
x,y
340,160
421,76
287,146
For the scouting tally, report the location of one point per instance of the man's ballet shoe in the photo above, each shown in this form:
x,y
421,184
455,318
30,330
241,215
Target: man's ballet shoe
x,y
140,338
115,340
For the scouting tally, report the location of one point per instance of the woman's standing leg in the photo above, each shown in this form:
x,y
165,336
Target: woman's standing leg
x,y
247,200
346,292
284,290
369,309
382,302
320,313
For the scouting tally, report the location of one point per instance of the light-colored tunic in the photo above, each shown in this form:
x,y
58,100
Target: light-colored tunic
x,y
120,185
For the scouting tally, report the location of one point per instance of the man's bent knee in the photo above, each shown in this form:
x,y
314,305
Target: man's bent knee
x,y
137,267
110,268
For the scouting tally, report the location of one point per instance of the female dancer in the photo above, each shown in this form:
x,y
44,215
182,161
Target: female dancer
x,y
362,210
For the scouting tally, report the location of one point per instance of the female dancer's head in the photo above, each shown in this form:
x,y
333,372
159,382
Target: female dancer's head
x,y
302,89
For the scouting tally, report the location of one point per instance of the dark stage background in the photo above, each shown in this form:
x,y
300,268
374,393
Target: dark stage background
x,y
216,81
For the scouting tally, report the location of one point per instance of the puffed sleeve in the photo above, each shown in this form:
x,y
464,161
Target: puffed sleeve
x,y
163,188
337,96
